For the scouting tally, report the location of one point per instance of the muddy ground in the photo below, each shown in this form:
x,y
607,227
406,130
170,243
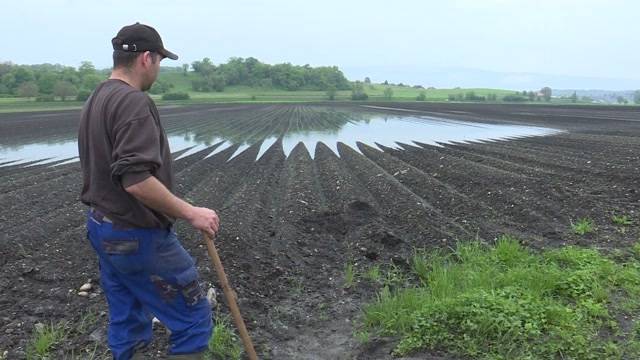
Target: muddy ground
x,y
291,224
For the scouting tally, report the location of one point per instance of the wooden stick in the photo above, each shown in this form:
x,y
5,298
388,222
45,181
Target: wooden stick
x,y
230,295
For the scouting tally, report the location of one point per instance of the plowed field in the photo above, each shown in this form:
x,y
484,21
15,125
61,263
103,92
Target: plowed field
x,y
292,221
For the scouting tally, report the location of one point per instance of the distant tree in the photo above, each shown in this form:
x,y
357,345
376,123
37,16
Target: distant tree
x,y
83,95
531,95
22,74
357,92
5,68
451,97
636,97
204,67
492,97
185,69
9,81
28,89
471,96
331,93
422,96
217,82
367,80
63,89
90,82
86,68
388,93
46,82
622,100
3,89
385,82
546,93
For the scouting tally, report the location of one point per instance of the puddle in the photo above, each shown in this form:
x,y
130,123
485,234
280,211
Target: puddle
x,y
308,125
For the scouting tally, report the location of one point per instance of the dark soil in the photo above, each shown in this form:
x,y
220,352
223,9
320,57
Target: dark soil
x,y
290,224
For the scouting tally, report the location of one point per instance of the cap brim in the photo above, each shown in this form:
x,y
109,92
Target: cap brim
x,y
168,54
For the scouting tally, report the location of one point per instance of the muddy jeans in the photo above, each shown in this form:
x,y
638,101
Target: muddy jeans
x,y
146,273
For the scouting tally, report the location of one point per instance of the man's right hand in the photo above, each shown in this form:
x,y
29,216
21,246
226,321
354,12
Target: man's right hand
x,y
204,219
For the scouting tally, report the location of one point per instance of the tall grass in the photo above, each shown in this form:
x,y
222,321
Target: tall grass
x,y
224,344
44,339
506,302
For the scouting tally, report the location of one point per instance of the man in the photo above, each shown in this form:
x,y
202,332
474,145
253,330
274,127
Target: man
x,y
126,166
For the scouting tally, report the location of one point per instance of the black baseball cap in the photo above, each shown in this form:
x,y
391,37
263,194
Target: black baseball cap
x,y
140,38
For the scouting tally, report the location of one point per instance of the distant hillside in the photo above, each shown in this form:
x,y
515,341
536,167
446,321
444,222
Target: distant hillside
x,y
600,96
444,77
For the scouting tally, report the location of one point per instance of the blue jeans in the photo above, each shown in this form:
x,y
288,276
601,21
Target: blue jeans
x,y
146,273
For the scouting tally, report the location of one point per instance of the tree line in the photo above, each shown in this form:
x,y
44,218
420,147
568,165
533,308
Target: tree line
x,y
543,94
47,81
252,72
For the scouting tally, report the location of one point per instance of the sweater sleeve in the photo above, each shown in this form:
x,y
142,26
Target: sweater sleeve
x,y
136,142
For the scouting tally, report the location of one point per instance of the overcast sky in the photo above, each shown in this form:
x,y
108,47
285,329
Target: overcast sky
x,y
579,38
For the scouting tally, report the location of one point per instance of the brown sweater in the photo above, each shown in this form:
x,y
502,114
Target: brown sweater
x,y
122,142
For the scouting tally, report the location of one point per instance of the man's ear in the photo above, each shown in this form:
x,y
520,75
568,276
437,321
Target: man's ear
x,y
147,58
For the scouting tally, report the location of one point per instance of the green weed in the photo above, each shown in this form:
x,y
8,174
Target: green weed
x,y
224,344
44,339
363,336
373,274
621,220
349,275
583,226
393,277
420,264
87,322
505,302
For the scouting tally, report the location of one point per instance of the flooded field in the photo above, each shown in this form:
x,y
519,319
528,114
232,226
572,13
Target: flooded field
x,y
305,124
303,190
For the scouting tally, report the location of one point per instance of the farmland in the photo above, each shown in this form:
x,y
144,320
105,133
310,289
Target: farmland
x,y
294,219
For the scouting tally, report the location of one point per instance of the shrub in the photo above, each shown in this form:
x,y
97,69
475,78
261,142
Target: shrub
x,y
45,98
421,97
514,98
83,95
388,93
359,96
471,96
176,96
357,92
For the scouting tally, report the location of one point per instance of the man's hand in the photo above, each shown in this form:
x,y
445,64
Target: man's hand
x,y
204,219
155,195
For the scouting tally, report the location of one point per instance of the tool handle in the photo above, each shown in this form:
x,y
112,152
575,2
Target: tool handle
x,y
231,297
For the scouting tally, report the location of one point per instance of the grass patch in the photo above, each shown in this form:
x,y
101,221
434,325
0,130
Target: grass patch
x,y
224,344
505,302
44,339
583,226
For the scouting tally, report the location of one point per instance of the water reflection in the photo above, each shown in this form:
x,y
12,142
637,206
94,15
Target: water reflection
x,y
293,124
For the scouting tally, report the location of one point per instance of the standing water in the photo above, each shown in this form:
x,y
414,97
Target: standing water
x,y
310,125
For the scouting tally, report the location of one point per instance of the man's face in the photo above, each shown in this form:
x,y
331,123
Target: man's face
x,y
151,67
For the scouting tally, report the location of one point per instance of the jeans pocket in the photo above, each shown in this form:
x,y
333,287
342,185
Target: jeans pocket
x,y
125,254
